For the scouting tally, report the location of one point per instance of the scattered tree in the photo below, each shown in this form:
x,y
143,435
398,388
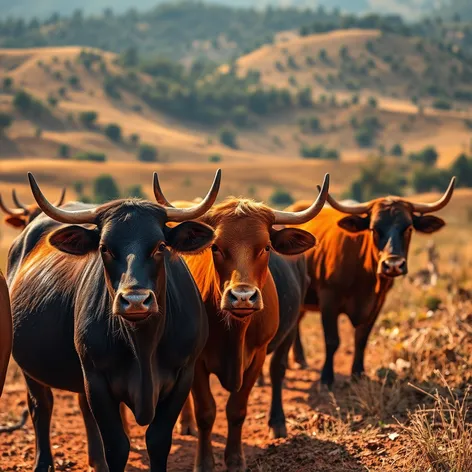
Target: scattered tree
x,y
147,153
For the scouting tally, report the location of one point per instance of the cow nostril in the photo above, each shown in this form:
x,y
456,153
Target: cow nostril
x,y
253,297
385,265
402,265
232,297
125,303
148,301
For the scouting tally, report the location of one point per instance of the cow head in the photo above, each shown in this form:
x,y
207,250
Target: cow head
x,y
391,222
23,215
245,234
132,240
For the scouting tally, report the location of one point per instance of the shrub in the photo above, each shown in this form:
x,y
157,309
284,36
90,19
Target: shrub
x,y
105,189
88,118
442,104
323,55
113,132
468,123
52,101
427,179
6,121
312,124
64,151
281,197
27,104
134,139
215,158
292,63
38,132
62,91
78,187
111,89
7,83
74,81
147,153
135,191
397,150
228,138
428,156
240,116
318,152
305,98
90,156
372,102
365,137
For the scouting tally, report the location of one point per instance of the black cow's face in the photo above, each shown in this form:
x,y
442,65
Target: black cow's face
x,y
391,223
133,241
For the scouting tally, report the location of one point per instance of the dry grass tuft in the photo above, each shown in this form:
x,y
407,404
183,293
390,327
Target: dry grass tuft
x,y
440,438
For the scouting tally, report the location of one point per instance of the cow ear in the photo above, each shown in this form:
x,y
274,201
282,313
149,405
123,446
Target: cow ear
x,y
15,221
190,237
428,224
291,241
354,223
75,240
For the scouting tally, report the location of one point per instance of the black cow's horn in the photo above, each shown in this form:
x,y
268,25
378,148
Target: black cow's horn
x,y
439,204
300,217
9,211
358,209
63,216
183,214
17,202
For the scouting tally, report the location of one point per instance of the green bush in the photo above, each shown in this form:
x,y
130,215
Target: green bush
x,y
365,137
240,116
6,120
52,101
281,197
215,158
90,156
397,150
26,104
113,132
134,139
228,137
305,97
105,189
88,118
147,153
64,151
428,156
7,83
78,187
372,102
74,81
318,152
442,104
427,179
135,191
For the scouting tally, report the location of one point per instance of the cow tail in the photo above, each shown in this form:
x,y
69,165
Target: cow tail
x,y
16,426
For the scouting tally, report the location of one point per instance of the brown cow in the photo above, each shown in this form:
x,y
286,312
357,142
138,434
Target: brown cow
x,y
353,267
242,304
5,331
23,215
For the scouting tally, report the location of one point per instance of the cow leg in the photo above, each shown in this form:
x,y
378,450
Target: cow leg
x,y
298,350
278,367
188,423
205,412
236,410
40,404
361,337
329,317
159,433
96,454
106,411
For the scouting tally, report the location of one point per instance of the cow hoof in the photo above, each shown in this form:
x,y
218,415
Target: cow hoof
x,y
188,429
278,431
236,464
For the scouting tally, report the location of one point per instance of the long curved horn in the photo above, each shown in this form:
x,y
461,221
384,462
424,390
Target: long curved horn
x,y
439,204
17,202
183,214
63,216
59,202
350,209
9,211
300,217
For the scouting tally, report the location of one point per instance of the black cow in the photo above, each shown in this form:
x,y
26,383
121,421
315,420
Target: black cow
x,y
110,311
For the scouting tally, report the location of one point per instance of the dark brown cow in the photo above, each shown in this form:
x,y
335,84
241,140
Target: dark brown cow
x,y
23,215
353,267
242,303
5,331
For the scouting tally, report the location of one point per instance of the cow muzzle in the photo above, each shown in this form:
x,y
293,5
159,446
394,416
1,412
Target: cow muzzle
x,y
135,305
393,266
242,300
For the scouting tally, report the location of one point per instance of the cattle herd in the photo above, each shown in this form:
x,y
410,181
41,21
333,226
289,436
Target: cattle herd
x,y
135,303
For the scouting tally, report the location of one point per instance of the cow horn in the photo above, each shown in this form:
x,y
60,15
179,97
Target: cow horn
x,y
59,202
183,214
439,204
300,217
350,209
63,216
9,211
17,202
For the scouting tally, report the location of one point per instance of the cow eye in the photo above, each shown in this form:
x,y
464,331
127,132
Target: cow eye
x,y
162,247
215,248
104,249
267,248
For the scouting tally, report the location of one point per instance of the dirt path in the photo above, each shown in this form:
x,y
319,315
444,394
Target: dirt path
x,y
302,451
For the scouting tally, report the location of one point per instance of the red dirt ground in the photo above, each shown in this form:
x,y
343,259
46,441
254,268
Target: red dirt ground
x,y
304,450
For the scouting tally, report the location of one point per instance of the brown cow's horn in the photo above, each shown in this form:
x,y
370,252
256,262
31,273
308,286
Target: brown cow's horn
x,y
17,202
350,209
300,217
183,214
9,211
438,205
63,216
59,202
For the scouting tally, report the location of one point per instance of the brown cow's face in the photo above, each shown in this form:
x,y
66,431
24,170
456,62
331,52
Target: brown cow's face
x,y
22,221
244,239
391,223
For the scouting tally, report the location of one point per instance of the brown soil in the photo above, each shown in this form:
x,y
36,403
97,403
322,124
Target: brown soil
x,y
307,448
